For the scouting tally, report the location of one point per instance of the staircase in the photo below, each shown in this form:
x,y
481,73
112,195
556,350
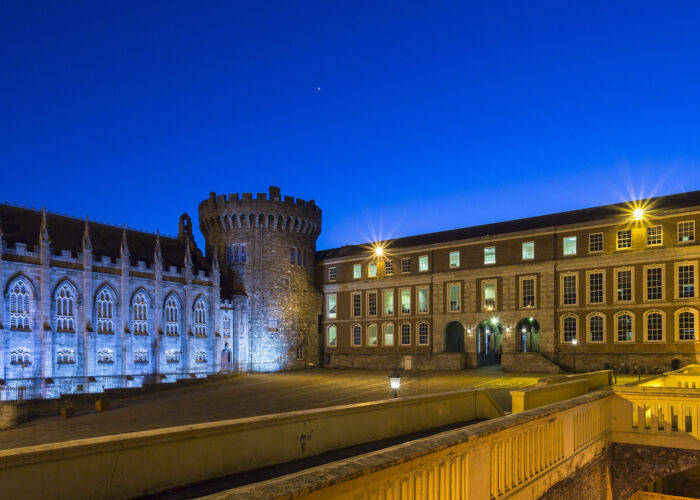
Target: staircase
x,y
528,362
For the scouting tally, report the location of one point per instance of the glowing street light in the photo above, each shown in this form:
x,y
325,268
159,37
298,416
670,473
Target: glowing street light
x,y
395,382
638,213
573,343
378,251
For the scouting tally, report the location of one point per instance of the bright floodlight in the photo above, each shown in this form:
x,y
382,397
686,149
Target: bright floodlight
x,y
378,251
638,213
395,382
574,341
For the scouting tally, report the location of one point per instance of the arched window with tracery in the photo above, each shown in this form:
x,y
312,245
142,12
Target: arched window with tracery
x,y
140,356
65,309
105,356
226,326
172,356
200,356
200,318
172,316
20,306
20,356
65,356
105,311
140,307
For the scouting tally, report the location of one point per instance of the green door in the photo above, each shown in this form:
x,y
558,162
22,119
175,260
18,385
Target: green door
x,y
454,337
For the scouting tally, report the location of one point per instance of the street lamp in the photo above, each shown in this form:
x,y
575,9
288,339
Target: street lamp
x,y
573,343
395,382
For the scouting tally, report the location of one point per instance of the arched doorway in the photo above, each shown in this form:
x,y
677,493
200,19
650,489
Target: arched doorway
x,y
454,337
527,335
489,341
226,359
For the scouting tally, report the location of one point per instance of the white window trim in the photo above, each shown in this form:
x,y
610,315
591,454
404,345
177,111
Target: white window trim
x,y
676,333
678,224
459,259
602,243
328,336
522,247
329,273
418,342
376,270
447,297
418,289
384,267
588,328
676,265
393,334
427,269
617,240
645,326
356,266
483,294
377,332
616,333
352,336
376,303
645,279
520,289
401,313
561,289
588,286
409,265
393,299
495,259
410,334
352,304
646,237
561,327
563,246
328,306
615,287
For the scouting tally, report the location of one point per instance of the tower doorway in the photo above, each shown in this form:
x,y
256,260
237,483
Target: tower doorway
x,y
489,341
454,337
527,335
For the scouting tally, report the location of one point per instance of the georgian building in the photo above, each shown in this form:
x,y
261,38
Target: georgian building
x,y
612,286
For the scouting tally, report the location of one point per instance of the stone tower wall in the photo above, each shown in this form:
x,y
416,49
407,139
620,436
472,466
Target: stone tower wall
x,y
269,227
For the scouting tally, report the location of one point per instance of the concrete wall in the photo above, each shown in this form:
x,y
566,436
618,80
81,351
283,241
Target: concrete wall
x,y
534,397
594,380
527,362
139,463
437,362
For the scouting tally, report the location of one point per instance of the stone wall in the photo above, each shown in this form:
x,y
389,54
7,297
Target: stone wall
x,y
433,362
527,362
590,482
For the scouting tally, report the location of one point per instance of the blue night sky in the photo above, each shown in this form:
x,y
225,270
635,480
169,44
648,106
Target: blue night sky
x,y
430,115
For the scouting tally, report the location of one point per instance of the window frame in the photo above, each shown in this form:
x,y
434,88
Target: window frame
x,y
616,284
486,254
328,336
355,268
564,246
410,334
405,264
332,273
618,240
353,313
676,280
376,303
562,280
427,289
589,333
562,322
661,236
454,253
602,242
645,326
352,335
678,232
329,314
388,268
393,302
590,272
645,282
521,288
384,335
410,301
423,263
376,335
419,334
522,249
495,294
676,331
448,301
372,266
616,327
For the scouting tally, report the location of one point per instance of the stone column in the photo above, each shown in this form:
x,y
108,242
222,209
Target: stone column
x,y
125,334
187,313
46,354
157,308
88,335
3,336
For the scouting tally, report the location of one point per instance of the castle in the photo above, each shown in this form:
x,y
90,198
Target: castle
x,y
86,305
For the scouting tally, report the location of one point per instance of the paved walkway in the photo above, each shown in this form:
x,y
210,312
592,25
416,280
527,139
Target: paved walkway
x,y
251,395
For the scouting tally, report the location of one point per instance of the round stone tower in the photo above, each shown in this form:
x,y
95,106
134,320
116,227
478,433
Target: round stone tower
x,y
266,248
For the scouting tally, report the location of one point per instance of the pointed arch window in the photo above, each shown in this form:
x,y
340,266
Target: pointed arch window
x,y
172,316
200,356
227,326
105,311
65,309
20,356
65,356
19,306
140,307
172,356
140,356
105,356
200,318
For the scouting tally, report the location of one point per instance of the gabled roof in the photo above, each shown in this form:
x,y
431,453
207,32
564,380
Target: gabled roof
x,y
22,225
669,202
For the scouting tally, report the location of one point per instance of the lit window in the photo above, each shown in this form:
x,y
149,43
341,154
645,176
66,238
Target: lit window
x,y
200,356
490,255
105,356
654,235
172,356
423,333
331,274
686,231
570,327
200,318
226,326
529,250
654,283
406,301
65,309
405,334
686,326
454,259
140,314
332,336
372,335
624,327
686,281
19,306
273,324
569,286
528,292
423,263
372,270
624,239
20,356
570,245
356,335
595,328
655,329
455,297
405,265
595,288
357,271
172,316
140,356
65,356
388,268
356,304
388,302
105,312
389,334
595,243
300,353
489,295
332,306
372,304
624,285
422,300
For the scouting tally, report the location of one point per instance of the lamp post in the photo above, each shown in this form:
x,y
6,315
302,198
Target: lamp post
x,y
573,343
395,382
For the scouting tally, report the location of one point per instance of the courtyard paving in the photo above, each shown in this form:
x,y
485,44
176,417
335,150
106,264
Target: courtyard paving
x,y
250,395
